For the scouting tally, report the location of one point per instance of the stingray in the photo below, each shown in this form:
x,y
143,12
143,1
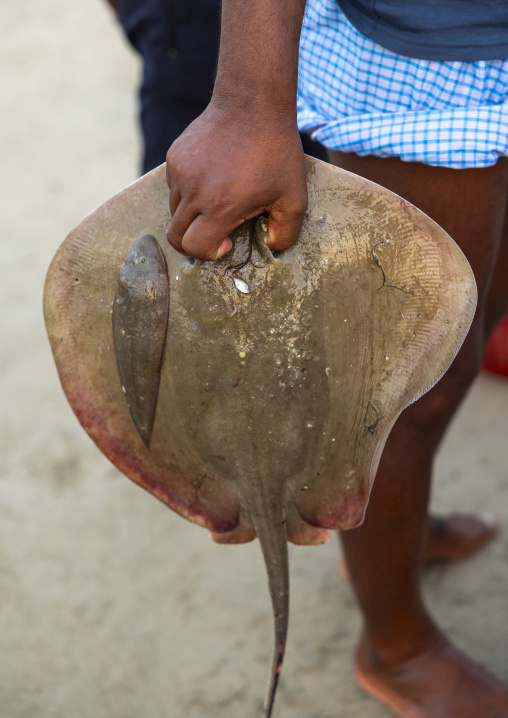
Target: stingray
x,y
254,395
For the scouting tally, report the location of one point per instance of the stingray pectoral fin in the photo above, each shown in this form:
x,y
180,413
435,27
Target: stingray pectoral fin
x,y
140,318
338,498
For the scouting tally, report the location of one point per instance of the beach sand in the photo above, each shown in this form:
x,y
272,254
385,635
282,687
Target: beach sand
x,y
111,606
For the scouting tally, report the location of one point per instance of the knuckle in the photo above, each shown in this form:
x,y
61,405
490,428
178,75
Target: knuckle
x,y
173,151
220,202
193,249
171,175
218,210
191,190
297,206
291,210
171,158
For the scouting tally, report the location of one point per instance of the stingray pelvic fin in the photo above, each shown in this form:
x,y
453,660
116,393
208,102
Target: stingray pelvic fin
x,y
140,318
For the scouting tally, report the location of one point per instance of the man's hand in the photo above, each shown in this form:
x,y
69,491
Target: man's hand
x,y
232,164
243,155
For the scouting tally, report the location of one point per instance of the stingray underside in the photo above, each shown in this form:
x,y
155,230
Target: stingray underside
x,y
292,368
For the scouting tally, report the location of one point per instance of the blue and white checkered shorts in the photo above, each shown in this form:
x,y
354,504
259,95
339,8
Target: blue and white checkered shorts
x,y
355,96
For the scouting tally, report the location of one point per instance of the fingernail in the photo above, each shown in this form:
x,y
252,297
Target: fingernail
x,y
224,248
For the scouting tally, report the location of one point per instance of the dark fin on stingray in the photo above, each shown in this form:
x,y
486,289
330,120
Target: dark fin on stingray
x,y
268,517
140,319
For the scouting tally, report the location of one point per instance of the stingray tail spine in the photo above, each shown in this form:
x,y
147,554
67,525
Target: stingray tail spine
x,y
268,517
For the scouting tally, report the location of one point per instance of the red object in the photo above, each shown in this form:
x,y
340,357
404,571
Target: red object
x,y
495,358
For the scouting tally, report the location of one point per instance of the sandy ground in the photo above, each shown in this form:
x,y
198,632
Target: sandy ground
x,y
111,606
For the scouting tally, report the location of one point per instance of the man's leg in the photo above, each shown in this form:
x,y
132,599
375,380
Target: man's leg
x,y
403,659
497,303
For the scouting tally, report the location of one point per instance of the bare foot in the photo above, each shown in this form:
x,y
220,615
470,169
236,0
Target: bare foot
x,y
452,537
455,536
440,682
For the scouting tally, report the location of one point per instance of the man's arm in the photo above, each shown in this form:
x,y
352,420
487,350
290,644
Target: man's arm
x,y
243,155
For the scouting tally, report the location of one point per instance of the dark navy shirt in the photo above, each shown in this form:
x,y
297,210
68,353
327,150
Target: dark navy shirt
x,y
466,30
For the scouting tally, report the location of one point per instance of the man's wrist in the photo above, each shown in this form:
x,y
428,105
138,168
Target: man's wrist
x,y
254,103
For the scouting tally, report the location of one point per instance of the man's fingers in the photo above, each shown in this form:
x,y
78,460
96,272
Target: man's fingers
x,y
199,235
196,235
284,227
206,239
183,216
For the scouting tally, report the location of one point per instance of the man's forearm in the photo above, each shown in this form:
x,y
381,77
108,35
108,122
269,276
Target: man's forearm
x,y
258,58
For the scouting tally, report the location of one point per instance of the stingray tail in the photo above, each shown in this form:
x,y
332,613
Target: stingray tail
x,y
268,516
